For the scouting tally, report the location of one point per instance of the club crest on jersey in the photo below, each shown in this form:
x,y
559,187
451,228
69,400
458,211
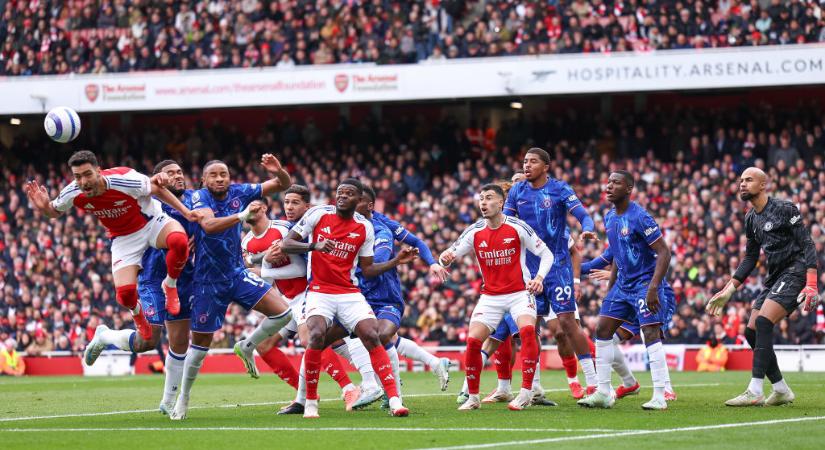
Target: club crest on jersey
x,y
203,318
353,235
120,202
625,231
768,226
150,311
236,203
547,203
508,240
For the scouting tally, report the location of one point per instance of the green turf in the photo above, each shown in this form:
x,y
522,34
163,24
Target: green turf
x,y
233,401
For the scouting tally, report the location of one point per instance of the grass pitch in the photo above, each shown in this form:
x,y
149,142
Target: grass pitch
x,y
232,411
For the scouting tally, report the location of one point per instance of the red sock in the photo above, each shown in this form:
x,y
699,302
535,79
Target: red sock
x,y
501,359
529,353
383,367
472,362
312,371
592,347
177,252
127,296
331,364
278,361
571,365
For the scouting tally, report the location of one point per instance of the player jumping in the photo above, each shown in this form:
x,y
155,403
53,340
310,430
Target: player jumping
x,y
122,199
775,226
220,275
500,245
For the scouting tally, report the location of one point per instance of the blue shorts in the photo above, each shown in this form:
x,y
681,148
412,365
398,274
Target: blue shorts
x,y
506,328
558,292
153,302
391,311
630,306
212,299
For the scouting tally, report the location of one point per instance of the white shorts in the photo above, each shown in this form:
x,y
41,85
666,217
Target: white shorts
x,y
349,309
296,305
128,250
490,309
553,316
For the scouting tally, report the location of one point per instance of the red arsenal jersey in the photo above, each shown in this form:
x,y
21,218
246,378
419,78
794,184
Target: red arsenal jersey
x,y
124,207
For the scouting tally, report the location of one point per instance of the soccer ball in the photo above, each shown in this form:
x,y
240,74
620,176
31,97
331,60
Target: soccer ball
x,y
62,124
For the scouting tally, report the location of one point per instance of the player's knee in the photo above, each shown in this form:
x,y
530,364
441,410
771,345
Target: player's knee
x,y
750,336
386,337
127,295
560,336
316,339
651,334
370,339
177,241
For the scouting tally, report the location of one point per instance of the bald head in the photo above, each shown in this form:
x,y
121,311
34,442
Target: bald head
x,y
752,183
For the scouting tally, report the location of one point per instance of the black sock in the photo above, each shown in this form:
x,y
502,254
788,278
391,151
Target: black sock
x,y
763,354
773,373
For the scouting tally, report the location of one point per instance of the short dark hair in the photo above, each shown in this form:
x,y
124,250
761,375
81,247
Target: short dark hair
x,y
628,177
354,182
162,165
83,157
300,190
493,187
541,153
370,192
213,162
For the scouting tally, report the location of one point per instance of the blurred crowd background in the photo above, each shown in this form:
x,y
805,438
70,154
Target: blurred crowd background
x,y
40,37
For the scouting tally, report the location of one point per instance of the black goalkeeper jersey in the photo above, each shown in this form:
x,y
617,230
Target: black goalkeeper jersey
x,y
780,232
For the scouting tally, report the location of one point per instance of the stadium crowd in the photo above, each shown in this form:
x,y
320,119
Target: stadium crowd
x,y
87,36
55,282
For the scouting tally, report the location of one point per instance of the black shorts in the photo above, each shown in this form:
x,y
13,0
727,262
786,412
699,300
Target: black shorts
x,y
784,290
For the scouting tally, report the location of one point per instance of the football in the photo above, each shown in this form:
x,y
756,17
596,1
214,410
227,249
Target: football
x,y
62,124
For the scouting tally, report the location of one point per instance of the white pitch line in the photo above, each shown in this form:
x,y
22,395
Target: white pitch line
x,y
626,433
520,430
237,405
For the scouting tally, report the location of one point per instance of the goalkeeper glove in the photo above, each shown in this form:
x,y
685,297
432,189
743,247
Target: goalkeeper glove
x,y
718,301
809,296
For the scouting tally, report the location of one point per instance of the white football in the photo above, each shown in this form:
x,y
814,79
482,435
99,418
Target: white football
x,y
62,124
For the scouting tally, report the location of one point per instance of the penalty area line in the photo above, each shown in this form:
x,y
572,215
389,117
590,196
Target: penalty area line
x,y
626,434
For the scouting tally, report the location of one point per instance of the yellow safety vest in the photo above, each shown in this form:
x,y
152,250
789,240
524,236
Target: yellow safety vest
x,y
11,359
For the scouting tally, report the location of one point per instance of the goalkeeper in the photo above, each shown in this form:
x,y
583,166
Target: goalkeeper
x,y
775,226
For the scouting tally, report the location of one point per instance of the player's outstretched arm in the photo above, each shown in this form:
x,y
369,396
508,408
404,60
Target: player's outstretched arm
x,y
39,197
597,263
292,244
281,180
717,303
162,193
371,269
213,225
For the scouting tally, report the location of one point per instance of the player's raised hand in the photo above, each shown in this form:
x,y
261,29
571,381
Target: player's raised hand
x,y
271,163
447,257
325,246
599,275
588,236
653,300
37,194
535,286
719,300
438,274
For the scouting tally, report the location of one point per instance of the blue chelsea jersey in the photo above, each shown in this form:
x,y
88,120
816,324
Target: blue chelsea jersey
x,y
385,288
154,260
630,236
545,210
218,256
